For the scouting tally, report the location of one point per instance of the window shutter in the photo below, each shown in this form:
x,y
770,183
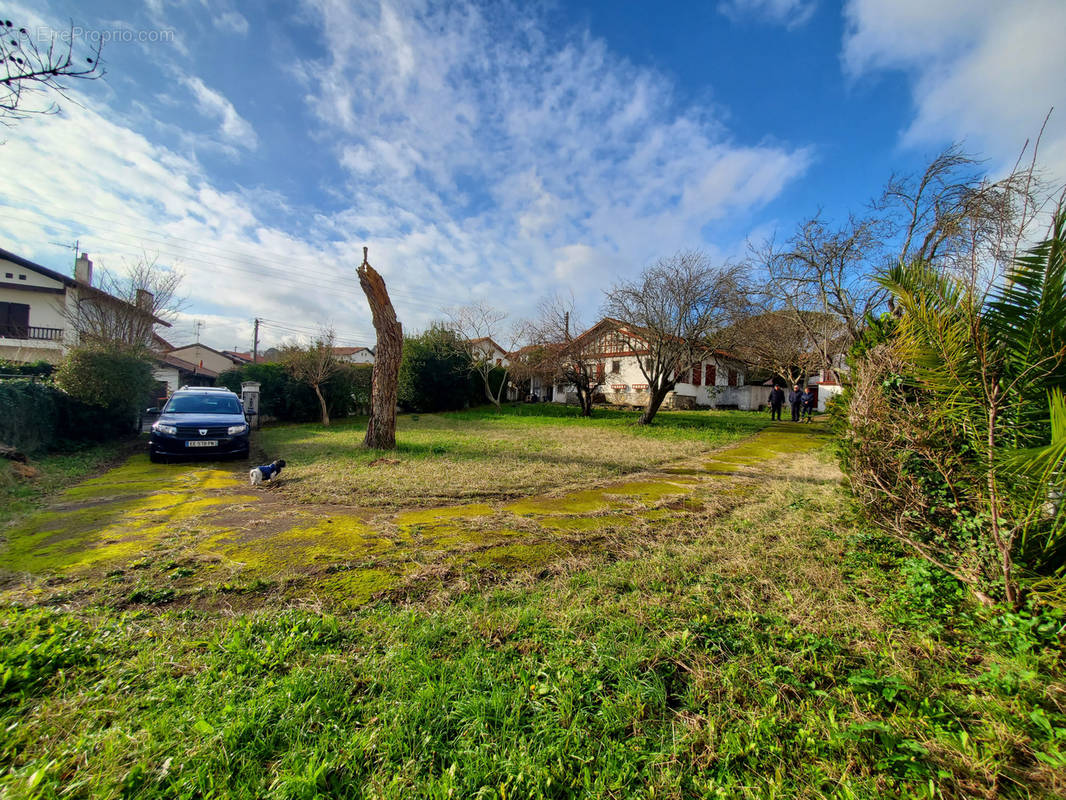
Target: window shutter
x,y
696,374
14,320
732,377
599,371
712,374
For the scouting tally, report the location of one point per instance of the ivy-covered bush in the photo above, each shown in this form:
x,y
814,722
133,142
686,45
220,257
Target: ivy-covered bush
x,y
955,434
36,417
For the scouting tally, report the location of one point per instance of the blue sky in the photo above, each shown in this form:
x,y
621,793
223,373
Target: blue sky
x,y
499,152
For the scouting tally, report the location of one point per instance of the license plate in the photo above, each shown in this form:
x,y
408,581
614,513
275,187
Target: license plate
x,y
202,443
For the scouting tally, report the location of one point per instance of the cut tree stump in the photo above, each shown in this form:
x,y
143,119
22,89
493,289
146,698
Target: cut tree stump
x,y
381,429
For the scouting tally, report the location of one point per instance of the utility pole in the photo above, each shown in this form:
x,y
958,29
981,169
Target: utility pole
x,y
197,325
255,343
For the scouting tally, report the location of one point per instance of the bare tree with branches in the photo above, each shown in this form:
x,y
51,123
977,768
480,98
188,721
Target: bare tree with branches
x,y
572,359
830,270
773,342
121,311
314,365
30,69
954,217
482,331
950,216
673,313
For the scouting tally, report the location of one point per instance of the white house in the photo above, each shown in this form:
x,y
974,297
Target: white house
x,y
487,349
174,372
201,355
827,383
717,380
354,355
37,306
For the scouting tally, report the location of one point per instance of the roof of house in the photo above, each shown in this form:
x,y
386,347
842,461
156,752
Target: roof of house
x,y
160,342
186,366
7,255
246,357
488,339
351,351
66,280
231,356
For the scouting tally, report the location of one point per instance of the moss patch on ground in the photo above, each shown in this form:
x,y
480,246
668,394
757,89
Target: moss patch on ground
x,y
602,522
354,587
515,556
310,543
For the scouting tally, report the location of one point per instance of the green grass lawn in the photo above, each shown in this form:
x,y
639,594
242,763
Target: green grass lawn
x,y
482,454
764,647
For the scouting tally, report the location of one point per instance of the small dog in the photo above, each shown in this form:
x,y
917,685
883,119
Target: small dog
x,y
266,472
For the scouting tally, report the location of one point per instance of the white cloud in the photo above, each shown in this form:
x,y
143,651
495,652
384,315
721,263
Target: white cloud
x,y
981,71
234,128
232,22
790,13
82,176
479,157
518,155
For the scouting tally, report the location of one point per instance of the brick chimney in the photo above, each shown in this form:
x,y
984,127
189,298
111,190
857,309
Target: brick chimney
x,y
83,270
144,300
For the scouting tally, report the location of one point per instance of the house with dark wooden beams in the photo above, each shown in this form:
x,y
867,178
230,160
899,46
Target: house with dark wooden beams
x,y
613,350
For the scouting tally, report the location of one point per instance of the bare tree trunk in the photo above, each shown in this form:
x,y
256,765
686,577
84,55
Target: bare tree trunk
x,y
322,404
650,410
488,393
381,429
586,403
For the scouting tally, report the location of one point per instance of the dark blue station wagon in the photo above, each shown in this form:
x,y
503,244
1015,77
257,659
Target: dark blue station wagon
x,y
200,422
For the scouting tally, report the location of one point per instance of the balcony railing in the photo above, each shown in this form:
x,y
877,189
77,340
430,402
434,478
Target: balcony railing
x,y
31,332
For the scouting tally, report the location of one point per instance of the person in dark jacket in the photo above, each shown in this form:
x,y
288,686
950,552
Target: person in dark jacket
x,y
795,400
777,399
810,400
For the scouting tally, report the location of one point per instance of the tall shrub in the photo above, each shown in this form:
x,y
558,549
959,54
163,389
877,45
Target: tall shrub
x,y
957,424
28,416
434,374
114,379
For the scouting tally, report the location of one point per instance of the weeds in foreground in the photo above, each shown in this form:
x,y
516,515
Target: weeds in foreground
x,y
780,651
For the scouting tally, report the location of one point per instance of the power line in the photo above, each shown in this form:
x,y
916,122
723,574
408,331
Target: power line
x,y
357,340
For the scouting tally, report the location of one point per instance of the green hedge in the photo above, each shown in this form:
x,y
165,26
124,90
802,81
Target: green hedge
x,y
39,369
283,397
36,417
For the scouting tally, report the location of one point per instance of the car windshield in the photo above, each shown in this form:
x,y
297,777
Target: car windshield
x,y
203,404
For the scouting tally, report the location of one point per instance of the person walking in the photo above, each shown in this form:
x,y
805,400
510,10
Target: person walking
x,y
777,399
795,401
810,399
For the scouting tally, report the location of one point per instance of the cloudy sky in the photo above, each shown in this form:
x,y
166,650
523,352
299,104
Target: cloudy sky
x,y
492,151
